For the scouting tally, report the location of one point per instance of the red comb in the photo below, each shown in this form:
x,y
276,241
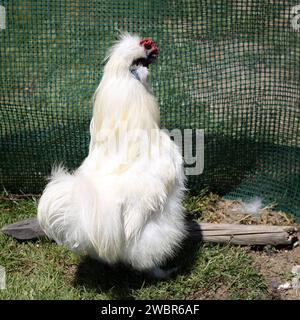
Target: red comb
x,y
148,43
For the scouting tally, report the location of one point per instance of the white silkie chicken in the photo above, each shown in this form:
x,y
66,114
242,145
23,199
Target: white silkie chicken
x,y
124,203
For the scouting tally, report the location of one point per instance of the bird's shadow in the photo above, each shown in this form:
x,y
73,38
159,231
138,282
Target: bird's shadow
x,y
120,281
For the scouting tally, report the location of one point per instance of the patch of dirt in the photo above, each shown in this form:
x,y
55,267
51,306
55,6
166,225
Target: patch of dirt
x,y
273,263
276,266
234,211
220,294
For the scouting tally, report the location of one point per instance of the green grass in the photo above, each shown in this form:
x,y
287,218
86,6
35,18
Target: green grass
x,y
43,270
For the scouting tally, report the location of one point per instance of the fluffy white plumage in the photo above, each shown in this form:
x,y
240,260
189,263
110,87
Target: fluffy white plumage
x,y
124,203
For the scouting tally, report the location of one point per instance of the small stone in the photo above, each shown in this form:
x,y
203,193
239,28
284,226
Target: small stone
x,y
285,286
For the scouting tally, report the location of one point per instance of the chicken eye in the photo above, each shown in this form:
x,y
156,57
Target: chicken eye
x,y
147,46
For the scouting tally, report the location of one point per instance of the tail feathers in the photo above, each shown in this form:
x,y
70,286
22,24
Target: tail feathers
x,y
71,212
55,203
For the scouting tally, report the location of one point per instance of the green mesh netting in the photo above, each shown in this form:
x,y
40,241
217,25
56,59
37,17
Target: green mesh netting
x,y
228,67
